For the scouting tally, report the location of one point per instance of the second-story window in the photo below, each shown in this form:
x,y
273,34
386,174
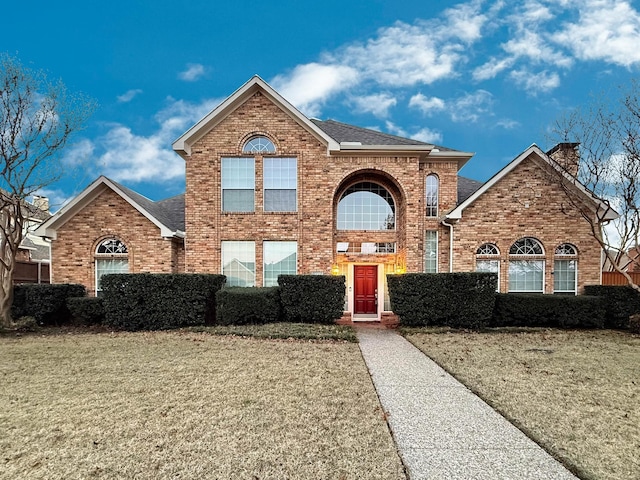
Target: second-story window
x,y
431,199
280,184
238,184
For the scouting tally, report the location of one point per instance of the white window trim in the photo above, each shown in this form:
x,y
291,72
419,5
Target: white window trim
x,y
424,255
531,258
493,258
264,265
575,284
264,189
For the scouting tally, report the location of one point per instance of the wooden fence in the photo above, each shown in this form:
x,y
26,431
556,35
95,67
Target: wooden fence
x,y
615,278
31,272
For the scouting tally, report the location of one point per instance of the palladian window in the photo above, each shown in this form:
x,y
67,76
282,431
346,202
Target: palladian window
x,y
526,266
112,256
366,206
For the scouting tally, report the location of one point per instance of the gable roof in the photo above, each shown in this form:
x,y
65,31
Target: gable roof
x,y
164,214
338,137
466,188
535,151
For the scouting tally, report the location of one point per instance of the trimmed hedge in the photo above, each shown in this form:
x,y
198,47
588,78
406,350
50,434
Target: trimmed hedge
x,y
557,311
241,306
459,300
159,301
620,302
86,310
46,303
312,298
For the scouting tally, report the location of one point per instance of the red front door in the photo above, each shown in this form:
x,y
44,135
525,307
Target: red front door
x,y
366,288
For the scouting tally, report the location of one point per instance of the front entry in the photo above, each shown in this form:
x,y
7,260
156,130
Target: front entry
x,y
365,289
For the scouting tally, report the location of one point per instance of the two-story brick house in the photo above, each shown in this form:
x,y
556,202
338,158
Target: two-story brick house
x,y
270,191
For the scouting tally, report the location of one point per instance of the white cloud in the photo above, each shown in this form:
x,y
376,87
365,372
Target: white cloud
x,y
607,30
193,72
427,105
123,155
471,107
508,124
535,48
535,83
424,134
492,68
129,95
309,86
378,104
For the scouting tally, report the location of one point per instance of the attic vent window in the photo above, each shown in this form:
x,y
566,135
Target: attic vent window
x,y
259,145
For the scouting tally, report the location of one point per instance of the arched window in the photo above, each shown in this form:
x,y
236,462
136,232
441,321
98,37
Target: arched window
x,y
259,145
485,261
112,256
526,270
431,200
565,270
366,206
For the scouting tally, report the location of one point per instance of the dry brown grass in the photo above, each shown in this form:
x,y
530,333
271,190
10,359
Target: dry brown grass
x,y
575,392
188,405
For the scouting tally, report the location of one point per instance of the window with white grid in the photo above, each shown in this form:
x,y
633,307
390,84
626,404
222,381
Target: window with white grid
x,y
565,270
239,263
431,201
431,251
280,184
366,206
112,256
280,258
238,184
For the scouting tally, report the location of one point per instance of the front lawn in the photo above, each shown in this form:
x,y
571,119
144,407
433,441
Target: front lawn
x,y
576,392
188,405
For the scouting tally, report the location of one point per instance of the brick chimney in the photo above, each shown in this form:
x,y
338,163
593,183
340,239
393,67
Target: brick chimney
x,y
567,156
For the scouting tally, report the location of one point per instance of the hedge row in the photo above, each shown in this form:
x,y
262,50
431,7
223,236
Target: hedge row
x,y
459,300
298,298
620,303
558,311
47,304
152,301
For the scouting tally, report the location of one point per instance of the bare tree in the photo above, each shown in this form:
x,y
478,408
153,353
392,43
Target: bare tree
x,y
37,119
604,163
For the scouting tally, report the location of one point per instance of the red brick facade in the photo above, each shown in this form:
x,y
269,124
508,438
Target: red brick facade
x,y
523,203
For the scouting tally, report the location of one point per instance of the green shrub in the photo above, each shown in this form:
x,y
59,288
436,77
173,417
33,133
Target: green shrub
x,y
620,302
312,298
46,303
241,306
86,310
459,300
153,301
557,311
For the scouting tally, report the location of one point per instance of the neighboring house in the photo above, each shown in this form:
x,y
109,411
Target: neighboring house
x,y
34,254
270,191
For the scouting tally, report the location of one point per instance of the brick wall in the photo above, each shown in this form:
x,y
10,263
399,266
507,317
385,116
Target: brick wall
x,y
321,180
109,215
525,203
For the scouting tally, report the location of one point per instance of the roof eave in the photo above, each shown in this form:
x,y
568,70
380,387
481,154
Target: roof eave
x,y
184,143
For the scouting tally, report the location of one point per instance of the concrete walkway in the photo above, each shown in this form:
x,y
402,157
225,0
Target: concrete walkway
x,y
443,430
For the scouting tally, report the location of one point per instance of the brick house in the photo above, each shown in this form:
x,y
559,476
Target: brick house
x,y
270,191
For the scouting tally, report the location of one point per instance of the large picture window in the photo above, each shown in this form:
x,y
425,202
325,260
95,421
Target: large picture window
x,y
238,184
280,258
366,206
239,263
112,256
280,184
526,272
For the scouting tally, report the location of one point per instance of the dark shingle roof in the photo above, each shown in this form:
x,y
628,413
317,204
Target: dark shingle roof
x,y
169,212
342,132
466,188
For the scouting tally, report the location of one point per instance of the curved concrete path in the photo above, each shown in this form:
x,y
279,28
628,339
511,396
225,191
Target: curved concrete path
x,y
443,430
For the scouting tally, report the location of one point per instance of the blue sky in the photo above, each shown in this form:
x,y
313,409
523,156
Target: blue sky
x,y
485,77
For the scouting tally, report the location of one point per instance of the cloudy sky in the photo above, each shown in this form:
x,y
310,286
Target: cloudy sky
x,y
479,76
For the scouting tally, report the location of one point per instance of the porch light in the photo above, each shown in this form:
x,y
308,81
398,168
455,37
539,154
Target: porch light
x,y
400,269
335,269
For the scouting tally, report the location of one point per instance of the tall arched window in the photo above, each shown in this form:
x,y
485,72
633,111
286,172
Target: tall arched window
x,y
366,206
526,266
259,144
431,200
565,269
487,260
112,256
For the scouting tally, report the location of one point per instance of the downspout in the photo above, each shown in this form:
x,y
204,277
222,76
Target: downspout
x,y
444,222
